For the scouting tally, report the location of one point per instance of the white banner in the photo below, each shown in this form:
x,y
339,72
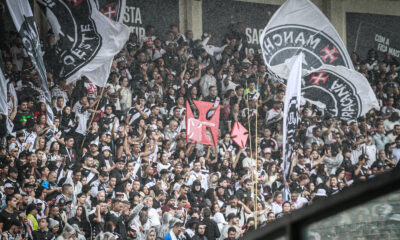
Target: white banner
x,y
291,113
3,91
21,13
345,93
299,26
87,40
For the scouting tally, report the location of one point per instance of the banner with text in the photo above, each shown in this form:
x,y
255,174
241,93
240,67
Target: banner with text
x,y
159,13
366,31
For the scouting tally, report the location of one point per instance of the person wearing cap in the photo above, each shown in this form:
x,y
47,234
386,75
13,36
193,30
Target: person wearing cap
x,y
8,189
13,179
93,151
106,163
31,211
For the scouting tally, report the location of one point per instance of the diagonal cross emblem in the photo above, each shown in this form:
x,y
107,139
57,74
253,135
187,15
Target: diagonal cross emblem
x,y
197,128
317,78
329,54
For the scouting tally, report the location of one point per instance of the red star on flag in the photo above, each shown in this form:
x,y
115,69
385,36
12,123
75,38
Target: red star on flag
x,y
239,134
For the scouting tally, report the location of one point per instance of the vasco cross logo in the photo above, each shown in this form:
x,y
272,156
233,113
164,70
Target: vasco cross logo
x,y
337,93
110,8
79,40
283,42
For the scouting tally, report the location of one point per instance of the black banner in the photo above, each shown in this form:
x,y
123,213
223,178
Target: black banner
x,y
159,13
220,16
366,31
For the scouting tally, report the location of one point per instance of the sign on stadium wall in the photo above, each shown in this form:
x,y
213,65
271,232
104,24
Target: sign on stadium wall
x,y
220,15
159,13
366,31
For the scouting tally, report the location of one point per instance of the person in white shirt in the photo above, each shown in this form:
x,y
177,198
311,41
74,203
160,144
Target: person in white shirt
x,y
207,81
298,200
196,174
153,215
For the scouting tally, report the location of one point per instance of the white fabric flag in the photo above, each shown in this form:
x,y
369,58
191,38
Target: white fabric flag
x,y
291,113
344,93
299,26
21,13
3,93
87,41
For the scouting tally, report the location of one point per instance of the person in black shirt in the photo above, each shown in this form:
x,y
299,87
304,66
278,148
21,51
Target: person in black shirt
x,y
43,232
97,218
212,230
302,166
120,174
245,191
69,152
9,216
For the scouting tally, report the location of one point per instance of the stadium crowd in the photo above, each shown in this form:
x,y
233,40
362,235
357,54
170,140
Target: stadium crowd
x,y
116,164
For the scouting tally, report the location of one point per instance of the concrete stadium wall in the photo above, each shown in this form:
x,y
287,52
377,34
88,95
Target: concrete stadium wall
x,y
191,11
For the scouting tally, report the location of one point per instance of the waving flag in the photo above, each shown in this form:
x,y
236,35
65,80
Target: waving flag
x,y
87,41
200,129
345,93
239,134
113,9
3,95
22,16
299,26
291,113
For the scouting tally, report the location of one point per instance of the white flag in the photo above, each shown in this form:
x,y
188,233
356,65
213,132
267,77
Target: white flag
x,y
345,93
87,41
21,13
3,92
291,113
299,26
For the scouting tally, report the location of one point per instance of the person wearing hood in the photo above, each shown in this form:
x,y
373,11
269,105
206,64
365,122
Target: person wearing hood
x,y
196,194
200,232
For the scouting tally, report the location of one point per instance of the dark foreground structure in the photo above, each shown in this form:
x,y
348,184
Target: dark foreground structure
x,y
364,211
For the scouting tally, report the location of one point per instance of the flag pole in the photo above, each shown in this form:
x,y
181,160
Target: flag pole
x,y
248,119
251,151
256,178
94,114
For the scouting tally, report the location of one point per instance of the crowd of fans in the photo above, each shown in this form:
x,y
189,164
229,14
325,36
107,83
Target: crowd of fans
x,y
116,164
